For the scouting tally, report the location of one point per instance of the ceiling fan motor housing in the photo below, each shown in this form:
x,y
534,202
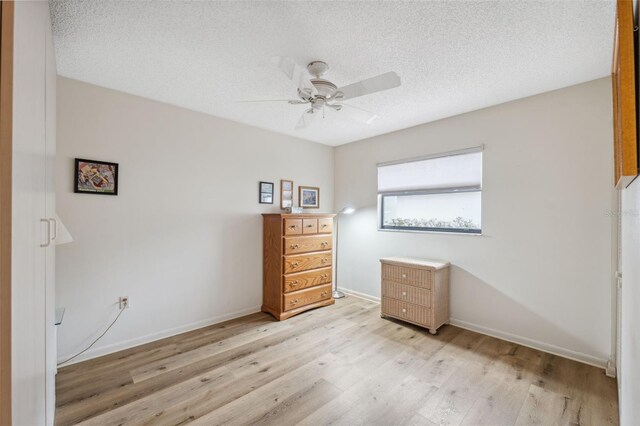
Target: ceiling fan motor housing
x,y
325,89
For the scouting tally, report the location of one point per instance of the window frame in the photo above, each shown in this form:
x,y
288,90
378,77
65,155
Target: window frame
x,y
449,190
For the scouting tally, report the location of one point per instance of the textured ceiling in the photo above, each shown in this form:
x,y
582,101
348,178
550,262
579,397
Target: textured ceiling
x,y
452,57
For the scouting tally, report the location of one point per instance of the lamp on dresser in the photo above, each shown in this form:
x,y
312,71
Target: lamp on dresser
x,y
337,294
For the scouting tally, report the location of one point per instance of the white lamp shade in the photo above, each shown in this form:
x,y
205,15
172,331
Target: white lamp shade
x,y
347,210
62,236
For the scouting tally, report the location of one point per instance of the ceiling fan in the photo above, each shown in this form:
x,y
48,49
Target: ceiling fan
x,y
321,94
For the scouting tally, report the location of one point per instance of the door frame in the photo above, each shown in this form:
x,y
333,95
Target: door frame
x,y
6,157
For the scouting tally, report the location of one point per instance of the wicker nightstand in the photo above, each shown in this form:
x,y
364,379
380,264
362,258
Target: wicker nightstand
x,y
416,291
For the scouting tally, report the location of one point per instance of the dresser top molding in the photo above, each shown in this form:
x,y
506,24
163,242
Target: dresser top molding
x,y
298,216
415,262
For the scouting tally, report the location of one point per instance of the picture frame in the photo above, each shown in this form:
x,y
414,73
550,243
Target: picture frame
x,y
95,177
309,197
286,194
265,193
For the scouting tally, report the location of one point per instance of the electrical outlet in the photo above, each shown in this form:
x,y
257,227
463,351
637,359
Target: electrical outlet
x,y
124,302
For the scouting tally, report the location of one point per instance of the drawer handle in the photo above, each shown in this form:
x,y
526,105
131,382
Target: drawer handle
x,y
294,264
404,293
294,246
324,260
404,310
294,302
324,243
309,226
292,227
404,275
324,276
324,293
294,283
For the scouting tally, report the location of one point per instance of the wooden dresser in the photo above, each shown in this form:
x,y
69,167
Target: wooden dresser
x,y
416,291
297,271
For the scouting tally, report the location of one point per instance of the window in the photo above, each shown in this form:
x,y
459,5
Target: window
x,y
438,193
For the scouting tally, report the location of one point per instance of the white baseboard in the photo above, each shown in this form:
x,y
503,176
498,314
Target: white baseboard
x,y
360,295
534,344
611,370
115,347
524,341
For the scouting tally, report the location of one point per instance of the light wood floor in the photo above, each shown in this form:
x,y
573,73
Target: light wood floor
x,y
341,364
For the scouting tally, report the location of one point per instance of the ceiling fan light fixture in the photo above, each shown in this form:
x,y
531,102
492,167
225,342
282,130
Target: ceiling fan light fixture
x,y
320,93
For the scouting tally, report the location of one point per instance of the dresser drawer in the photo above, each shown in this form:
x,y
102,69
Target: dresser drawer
x,y
306,244
304,262
302,280
407,311
407,293
325,226
406,275
309,226
293,227
306,297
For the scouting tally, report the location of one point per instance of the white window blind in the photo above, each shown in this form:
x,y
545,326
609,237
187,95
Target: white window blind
x,y
438,193
438,173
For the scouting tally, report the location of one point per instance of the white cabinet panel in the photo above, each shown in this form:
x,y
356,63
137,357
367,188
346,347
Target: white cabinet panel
x,y
33,200
50,206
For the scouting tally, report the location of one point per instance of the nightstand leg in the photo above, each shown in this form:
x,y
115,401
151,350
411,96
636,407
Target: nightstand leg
x,y
433,330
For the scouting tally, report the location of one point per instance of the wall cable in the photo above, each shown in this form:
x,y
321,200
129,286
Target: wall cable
x,y
95,341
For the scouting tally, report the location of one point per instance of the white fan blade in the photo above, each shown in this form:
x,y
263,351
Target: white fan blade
x,y
358,114
297,74
306,119
371,85
290,101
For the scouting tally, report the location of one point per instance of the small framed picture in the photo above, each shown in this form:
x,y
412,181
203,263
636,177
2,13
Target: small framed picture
x,y
286,194
309,197
266,193
95,177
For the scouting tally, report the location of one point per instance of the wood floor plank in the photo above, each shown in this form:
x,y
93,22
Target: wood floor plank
x,y
98,402
258,370
418,420
342,365
180,360
299,405
158,405
107,361
71,384
543,407
404,400
453,400
363,402
245,410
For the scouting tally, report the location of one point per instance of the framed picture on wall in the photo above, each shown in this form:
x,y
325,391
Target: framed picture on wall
x,y
266,193
286,194
95,177
309,197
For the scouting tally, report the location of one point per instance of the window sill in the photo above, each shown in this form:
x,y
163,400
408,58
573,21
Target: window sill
x,y
412,231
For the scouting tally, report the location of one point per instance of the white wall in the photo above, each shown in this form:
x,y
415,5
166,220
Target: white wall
x,y
183,239
541,274
629,373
